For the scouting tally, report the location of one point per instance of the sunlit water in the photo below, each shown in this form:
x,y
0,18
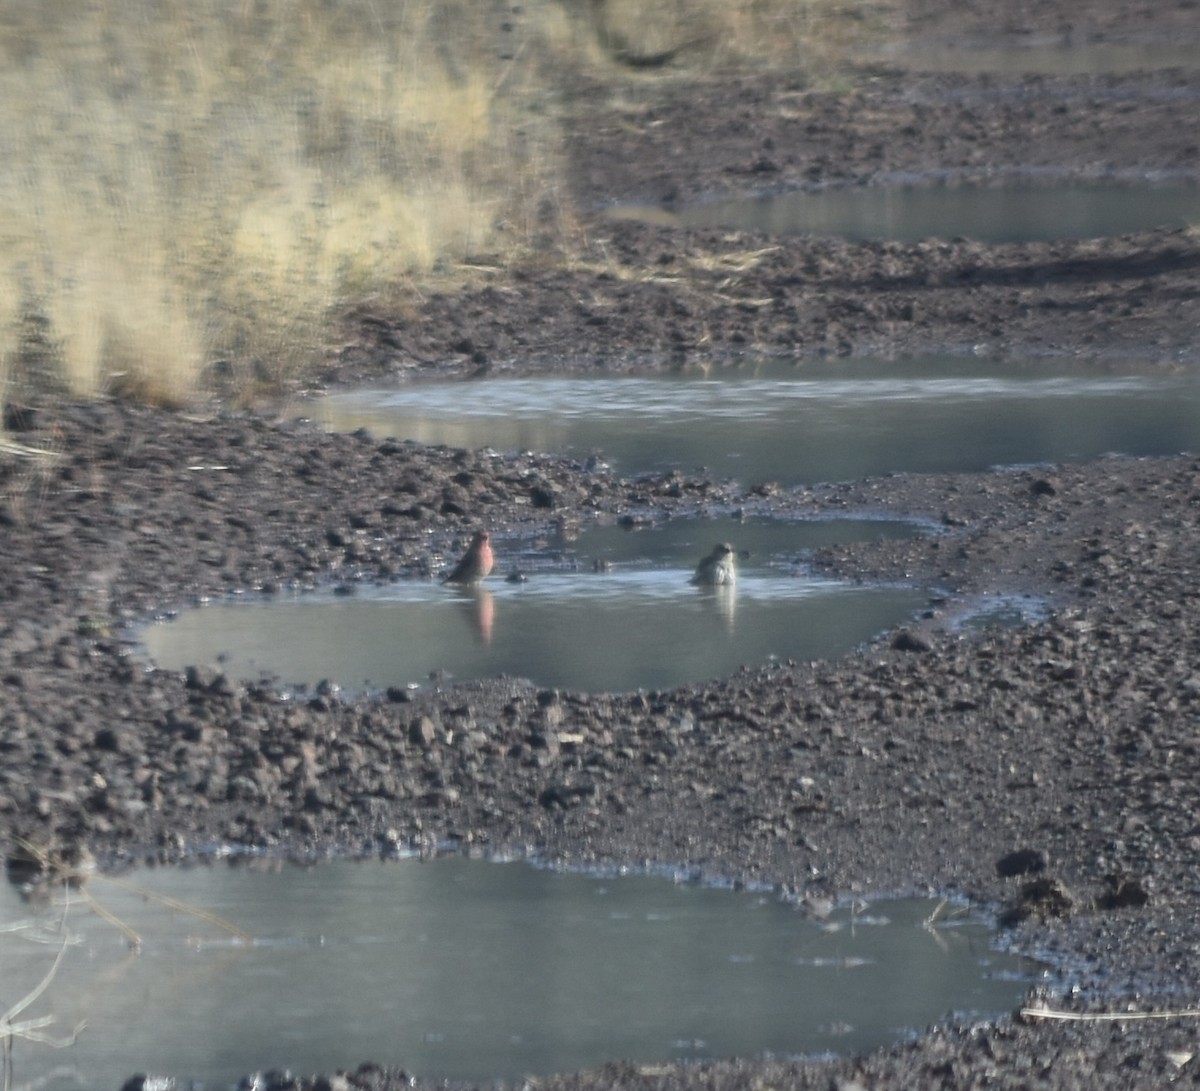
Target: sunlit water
x,y
799,425
612,611
1013,211
475,971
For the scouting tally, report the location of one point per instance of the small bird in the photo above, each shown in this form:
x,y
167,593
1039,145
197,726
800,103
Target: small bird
x,y
476,563
717,569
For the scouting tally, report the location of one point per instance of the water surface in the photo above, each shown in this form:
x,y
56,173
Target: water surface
x,y
638,624
635,623
1047,58
469,970
1008,212
821,422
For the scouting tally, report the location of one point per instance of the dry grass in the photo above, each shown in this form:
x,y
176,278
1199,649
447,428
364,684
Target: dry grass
x,y
196,181
189,189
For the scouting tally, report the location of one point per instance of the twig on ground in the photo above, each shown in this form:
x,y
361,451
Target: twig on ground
x,y
1038,1012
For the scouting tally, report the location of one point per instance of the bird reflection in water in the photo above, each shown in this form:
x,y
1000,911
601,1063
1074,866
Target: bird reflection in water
x,y
716,576
722,597
479,604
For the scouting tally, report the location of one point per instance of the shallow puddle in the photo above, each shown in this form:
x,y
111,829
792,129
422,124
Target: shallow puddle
x,y
610,611
1016,211
1046,58
468,970
822,422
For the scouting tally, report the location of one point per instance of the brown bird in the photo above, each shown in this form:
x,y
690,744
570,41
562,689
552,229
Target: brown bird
x,y
717,569
476,563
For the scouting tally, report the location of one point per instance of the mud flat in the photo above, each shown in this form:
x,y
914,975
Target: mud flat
x,y
1069,743
1049,770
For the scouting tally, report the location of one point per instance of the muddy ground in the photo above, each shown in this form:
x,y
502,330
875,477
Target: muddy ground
x,y
635,296
1050,771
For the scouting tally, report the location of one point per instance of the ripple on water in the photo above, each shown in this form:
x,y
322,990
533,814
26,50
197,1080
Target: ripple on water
x,y
805,423
637,622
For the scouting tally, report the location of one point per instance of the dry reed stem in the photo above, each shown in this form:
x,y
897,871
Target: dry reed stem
x,y
135,941
32,1029
1039,1012
6,1020
76,876
181,907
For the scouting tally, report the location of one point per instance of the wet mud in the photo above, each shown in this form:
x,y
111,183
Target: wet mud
x,y
1050,770
637,296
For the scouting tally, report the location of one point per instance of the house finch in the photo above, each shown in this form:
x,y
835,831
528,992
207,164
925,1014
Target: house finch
x,y
476,563
717,569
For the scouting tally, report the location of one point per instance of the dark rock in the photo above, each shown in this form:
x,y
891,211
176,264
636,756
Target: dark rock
x,y
544,496
422,732
908,640
208,679
1124,893
564,795
1022,862
111,740
149,1083
1045,899
21,418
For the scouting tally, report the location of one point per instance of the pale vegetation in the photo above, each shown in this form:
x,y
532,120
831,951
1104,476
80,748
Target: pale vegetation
x,y
51,876
191,188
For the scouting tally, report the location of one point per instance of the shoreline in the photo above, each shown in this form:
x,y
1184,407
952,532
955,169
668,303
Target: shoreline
x,y
1063,754
966,748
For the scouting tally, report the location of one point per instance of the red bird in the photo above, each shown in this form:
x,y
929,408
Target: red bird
x,y
476,563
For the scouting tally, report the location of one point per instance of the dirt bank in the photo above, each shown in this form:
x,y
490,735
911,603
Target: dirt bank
x,y
640,296
1050,770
